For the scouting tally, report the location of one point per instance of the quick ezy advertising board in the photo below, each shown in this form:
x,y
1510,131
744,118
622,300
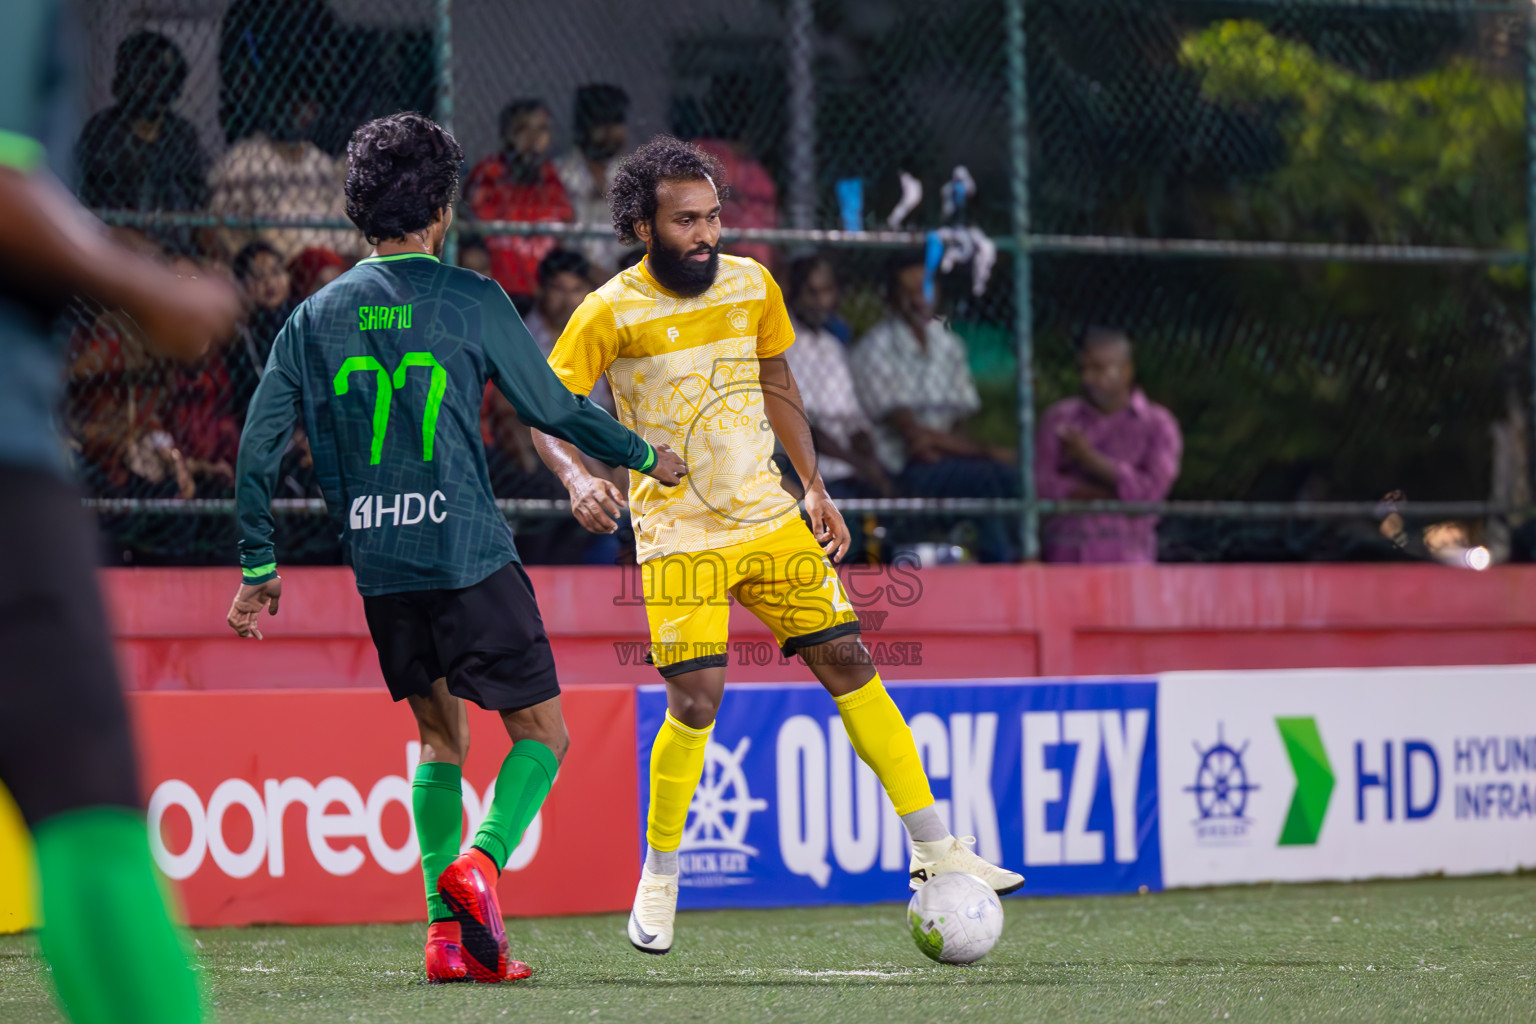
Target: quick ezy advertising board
x,y
1054,779
1301,775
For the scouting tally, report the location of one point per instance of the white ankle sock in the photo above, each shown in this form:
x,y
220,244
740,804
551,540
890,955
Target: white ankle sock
x,y
660,862
925,825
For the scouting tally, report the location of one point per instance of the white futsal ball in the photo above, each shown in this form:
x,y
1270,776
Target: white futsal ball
x,y
955,918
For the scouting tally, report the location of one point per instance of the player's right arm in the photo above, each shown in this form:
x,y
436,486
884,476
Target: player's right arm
x,y
269,423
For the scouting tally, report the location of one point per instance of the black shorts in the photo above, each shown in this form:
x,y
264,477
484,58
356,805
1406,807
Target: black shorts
x,y
487,639
64,737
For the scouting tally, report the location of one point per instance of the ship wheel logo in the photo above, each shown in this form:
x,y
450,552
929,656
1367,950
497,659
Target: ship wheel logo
x,y
722,806
1221,785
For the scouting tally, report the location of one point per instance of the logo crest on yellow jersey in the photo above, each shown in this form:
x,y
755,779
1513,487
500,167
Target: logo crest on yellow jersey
x,y
739,320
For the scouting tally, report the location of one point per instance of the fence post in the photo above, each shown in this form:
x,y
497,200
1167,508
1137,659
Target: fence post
x,y
1018,119
442,54
1530,213
800,47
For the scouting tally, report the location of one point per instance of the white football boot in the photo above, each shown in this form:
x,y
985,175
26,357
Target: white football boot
x,y
946,856
655,912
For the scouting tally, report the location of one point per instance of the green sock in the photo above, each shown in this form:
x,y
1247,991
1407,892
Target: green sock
x,y
521,786
438,802
115,954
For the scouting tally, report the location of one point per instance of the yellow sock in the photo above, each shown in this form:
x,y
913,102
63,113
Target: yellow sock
x,y
883,741
677,761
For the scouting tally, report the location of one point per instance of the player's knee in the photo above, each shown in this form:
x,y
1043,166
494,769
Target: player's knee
x,y
532,724
694,709
559,743
553,735
441,742
437,747
842,665
443,737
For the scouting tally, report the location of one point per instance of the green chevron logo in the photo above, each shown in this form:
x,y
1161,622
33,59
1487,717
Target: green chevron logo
x,y
1314,781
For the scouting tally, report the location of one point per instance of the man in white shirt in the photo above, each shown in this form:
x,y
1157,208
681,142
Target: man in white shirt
x,y
915,383
600,131
280,174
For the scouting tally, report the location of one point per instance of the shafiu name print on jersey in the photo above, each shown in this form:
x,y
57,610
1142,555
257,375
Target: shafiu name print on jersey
x,y
378,318
684,372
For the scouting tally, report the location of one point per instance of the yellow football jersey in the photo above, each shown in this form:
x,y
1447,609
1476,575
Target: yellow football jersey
x,y
684,372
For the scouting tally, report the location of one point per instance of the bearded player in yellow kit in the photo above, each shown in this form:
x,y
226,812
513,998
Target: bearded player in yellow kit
x,y
692,344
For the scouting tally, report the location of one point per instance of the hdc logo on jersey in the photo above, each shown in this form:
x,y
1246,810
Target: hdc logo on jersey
x,y
369,510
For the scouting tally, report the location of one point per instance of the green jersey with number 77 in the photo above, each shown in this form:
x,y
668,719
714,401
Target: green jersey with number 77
x,y
388,365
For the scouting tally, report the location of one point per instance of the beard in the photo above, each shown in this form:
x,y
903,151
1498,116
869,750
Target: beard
x,y
675,272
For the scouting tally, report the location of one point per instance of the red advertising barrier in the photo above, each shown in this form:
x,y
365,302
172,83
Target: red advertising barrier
x,y
294,807
934,624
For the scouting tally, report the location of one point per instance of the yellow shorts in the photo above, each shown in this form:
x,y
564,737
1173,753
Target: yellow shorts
x,y
784,579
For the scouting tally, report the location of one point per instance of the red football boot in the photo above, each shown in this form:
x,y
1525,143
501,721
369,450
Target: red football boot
x,y
445,953
468,886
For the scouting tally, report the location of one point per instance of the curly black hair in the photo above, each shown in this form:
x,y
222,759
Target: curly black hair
x,y
401,169
632,196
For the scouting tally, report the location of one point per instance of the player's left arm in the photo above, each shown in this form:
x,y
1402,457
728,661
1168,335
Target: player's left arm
x,y
269,424
785,410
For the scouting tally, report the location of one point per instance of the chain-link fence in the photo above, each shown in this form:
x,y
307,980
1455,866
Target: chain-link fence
x,y
1309,218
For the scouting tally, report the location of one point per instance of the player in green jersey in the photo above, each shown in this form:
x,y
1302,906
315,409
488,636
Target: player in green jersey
x,y
66,751
388,364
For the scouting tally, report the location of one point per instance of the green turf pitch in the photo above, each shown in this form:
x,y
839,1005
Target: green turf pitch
x,y
1461,949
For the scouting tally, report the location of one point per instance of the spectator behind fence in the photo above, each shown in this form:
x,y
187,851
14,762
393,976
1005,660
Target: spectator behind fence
x,y
600,131
842,432
916,385
1110,443
201,413
751,199
311,270
719,127
280,174
519,183
264,285
472,255
564,280
137,154
117,404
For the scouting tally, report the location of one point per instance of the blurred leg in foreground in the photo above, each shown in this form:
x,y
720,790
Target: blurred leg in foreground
x,y
66,753
67,756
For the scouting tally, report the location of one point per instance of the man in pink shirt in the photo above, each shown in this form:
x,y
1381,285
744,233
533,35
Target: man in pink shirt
x,y
1112,443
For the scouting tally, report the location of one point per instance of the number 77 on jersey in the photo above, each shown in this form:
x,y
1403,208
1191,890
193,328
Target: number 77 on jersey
x,y
385,394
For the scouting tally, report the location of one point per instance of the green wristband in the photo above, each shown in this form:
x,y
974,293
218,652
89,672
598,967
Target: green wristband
x,y
258,573
19,152
650,459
